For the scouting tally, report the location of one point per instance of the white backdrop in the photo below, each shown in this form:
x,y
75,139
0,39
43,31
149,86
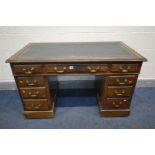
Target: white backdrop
x,y
142,39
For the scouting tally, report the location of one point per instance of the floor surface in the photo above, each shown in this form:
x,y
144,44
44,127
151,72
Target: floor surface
x,y
79,111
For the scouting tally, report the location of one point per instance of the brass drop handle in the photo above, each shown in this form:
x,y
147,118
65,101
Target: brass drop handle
x,y
121,83
29,71
119,93
36,107
92,70
60,71
116,105
124,69
31,84
33,95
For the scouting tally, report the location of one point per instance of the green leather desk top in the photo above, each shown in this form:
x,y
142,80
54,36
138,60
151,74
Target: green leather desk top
x,y
76,52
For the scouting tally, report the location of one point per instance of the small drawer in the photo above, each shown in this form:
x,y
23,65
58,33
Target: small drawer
x,y
75,68
40,92
36,104
27,69
121,80
119,91
125,68
116,103
30,81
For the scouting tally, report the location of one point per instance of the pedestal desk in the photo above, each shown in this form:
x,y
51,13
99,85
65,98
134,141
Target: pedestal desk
x,y
33,64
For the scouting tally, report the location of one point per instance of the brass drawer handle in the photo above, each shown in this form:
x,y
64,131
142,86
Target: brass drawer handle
x,y
124,69
28,71
36,107
116,105
92,70
31,84
121,83
33,95
119,93
60,71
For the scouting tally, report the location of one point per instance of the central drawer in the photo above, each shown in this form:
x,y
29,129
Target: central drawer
x,y
92,68
39,92
119,91
75,68
30,69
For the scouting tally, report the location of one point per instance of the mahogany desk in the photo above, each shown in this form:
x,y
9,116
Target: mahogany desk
x,y
32,65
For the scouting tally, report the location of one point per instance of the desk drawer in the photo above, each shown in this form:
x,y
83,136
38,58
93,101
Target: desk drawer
x,y
39,92
27,69
125,68
74,68
119,91
30,81
121,80
116,103
36,104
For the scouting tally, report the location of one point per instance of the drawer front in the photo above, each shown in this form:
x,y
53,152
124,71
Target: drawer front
x,y
36,104
121,80
27,69
125,68
116,103
58,69
119,91
34,92
30,81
